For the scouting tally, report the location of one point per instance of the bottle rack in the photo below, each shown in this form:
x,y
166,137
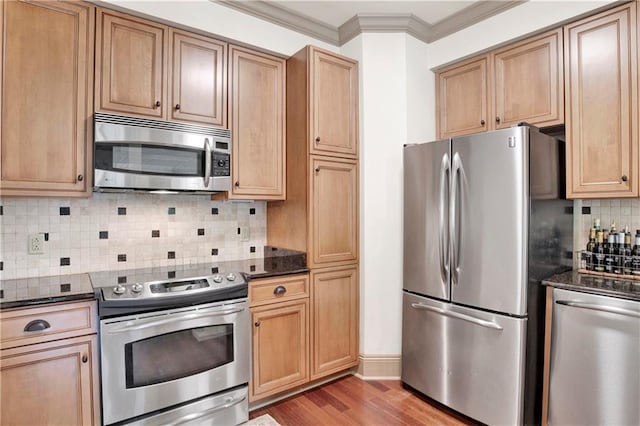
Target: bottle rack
x,y
586,266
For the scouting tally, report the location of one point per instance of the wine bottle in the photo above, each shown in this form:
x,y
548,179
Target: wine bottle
x,y
591,245
635,255
599,252
610,253
618,253
628,259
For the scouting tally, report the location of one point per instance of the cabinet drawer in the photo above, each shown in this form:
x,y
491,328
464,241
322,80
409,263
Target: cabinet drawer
x,y
61,321
279,289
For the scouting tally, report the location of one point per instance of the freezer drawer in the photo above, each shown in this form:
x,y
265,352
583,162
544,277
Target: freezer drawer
x,y
595,360
469,360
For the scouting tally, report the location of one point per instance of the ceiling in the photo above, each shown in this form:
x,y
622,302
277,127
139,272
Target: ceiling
x,y
337,22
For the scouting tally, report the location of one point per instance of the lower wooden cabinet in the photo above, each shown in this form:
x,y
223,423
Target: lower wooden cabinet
x,y
280,337
53,383
334,319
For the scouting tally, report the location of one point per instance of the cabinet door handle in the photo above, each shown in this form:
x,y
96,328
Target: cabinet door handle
x,y
257,323
80,178
318,139
157,104
280,290
497,119
177,107
317,169
85,358
624,178
237,183
37,325
482,122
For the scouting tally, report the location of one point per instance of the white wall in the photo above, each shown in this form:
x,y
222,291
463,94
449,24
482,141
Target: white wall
x,y
513,23
228,23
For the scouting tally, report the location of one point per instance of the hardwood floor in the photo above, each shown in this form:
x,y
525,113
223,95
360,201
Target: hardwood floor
x,y
351,401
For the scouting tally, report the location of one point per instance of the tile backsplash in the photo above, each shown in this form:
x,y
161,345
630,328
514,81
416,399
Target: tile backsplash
x,y
125,231
624,211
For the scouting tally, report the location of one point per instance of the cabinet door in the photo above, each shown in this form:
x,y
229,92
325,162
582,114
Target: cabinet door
x,y
257,114
334,320
130,65
529,82
334,104
280,348
461,93
602,127
197,79
333,237
47,98
52,383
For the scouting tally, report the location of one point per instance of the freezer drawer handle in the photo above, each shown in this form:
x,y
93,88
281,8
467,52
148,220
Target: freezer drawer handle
x,y
230,402
463,317
596,307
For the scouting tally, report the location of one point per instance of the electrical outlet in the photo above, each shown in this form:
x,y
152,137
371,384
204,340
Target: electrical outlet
x,y
244,233
36,244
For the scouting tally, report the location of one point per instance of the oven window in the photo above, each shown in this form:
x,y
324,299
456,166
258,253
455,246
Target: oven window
x,y
149,159
179,354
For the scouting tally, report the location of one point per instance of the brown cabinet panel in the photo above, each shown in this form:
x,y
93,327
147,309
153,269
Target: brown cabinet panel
x,y
47,98
334,211
334,97
602,128
334,331
462,98
257,114
130,65
51,383
280,348
529,84
198,86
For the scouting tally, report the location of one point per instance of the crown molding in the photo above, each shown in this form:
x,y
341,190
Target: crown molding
x,y
362,23
285,18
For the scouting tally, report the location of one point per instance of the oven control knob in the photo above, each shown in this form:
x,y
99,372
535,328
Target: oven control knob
x,y
217,278
136,288
231,277
119,289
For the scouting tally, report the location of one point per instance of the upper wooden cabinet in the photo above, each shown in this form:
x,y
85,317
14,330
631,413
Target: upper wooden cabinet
x,y
47,98
147,69
131,57
601,69
529,85
520,82
197,86
462,98
334,104
257,119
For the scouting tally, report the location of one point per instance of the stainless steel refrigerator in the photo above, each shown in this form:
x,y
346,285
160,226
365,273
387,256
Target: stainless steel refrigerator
x,y
485,220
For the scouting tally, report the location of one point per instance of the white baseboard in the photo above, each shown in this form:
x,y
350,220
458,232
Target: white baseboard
x,y
379,367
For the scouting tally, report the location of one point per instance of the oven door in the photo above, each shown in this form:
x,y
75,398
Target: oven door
x,y
156,360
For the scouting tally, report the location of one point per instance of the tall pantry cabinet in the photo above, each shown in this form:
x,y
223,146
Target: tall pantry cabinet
x,y
320,215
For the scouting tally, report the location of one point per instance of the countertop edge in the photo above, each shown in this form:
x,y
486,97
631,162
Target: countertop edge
x,y
46,301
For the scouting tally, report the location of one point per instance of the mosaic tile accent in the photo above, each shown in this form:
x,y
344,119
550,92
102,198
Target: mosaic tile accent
x,y
100,228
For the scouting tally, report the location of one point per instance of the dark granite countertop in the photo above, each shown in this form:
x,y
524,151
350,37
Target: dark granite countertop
x,y
42,290
596,284
35,291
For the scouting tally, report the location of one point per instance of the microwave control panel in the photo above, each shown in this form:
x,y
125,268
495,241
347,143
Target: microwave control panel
x,y
221,164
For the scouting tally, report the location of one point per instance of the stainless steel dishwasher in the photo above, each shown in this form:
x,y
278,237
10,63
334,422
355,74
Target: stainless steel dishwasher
x,y
595,360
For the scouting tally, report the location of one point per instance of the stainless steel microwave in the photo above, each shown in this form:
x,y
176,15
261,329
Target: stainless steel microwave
x,y
137,154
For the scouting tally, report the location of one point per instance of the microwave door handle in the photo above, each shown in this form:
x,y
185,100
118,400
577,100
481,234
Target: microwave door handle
x,y
207,162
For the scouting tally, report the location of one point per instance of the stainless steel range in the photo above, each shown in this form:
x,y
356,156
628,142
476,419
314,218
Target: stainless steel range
x,y
174,346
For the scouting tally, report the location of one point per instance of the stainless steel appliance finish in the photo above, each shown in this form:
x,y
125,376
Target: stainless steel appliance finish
x,y
595,360
223,409
156,360
481,229
150,155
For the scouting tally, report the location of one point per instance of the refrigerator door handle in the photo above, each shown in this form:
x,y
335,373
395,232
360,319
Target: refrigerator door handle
x,y
454,214
463,317
602,308
445,170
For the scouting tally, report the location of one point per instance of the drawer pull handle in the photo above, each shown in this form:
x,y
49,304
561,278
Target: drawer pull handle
x,y
85,358
257,324
280,290
37,325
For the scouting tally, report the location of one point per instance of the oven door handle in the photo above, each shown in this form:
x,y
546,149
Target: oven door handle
x,y
133,327
194,416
